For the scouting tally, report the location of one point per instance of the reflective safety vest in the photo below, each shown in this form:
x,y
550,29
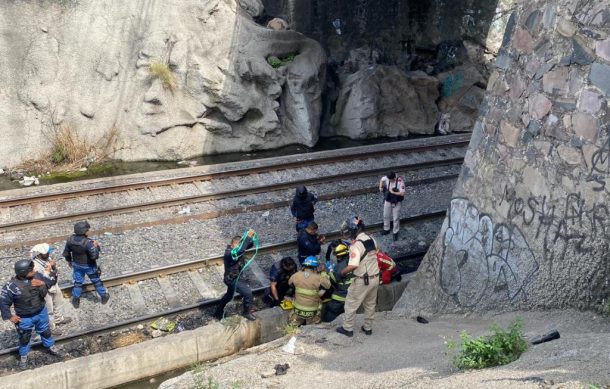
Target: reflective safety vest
x,y
306,292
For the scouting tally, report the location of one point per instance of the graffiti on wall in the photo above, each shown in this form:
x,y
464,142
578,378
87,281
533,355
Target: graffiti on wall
x,y
480,257
600,167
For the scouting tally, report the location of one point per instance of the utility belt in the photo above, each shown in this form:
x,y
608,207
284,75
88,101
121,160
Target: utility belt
x,y
366,277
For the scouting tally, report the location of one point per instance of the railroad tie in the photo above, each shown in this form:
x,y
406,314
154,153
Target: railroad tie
x,y
169,292
136,297
205,291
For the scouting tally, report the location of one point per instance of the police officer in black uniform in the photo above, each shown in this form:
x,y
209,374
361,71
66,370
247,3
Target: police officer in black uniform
x,y
82,254
26,293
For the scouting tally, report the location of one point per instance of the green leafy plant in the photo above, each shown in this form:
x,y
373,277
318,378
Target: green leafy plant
x,y
276,62
290,329
163,72
498,349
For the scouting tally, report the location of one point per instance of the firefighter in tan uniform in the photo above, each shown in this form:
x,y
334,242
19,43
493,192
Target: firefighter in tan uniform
x,y
307,284
363,290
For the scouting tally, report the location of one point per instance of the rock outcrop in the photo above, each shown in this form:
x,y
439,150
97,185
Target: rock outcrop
x,y
87,65
385,101
529,224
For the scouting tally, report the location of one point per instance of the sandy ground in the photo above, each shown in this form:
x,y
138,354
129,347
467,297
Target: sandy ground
x,y
402,353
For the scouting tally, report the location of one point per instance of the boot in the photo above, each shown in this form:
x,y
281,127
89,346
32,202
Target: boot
x,y
395,237
366,332
345,332
385,232
23,363
249,316
105,298
53,350
76,302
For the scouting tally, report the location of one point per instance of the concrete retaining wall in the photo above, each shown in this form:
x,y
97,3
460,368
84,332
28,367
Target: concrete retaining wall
x,y
169,353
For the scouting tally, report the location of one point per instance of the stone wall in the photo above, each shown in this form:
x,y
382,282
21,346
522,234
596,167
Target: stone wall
x,y
529,224
86,65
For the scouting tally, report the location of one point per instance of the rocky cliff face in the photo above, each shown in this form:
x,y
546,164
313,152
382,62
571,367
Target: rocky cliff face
x,y
529,225
87,64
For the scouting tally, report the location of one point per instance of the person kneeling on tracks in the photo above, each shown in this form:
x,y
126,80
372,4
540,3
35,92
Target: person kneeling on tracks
x,y
47,268
340,283
234,261
363,290
307,284
82,254
280,273
26,293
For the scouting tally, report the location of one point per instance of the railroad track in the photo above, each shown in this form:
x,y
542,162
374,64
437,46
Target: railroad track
x,y
420,157
208,297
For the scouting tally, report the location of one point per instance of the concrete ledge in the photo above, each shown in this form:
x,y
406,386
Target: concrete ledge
x,y
388,295
153,357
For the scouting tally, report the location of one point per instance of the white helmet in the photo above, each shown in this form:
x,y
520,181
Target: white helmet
x,y
41,248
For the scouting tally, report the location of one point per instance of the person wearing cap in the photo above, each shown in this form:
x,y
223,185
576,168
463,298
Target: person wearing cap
x,y
26,294
393,188
309,242
82,254
280,273
340,282
302,207
47,268
307,291
363,290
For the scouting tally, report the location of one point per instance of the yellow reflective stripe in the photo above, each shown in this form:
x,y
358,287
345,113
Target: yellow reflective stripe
x,y
307,292
338,298
305,308
332,277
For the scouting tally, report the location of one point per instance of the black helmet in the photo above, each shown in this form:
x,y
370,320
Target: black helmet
x,y
301,191
352,227
81,228
23,267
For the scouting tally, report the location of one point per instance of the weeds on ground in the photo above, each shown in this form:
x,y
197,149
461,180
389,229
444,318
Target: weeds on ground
x,y
276,62
290,329
498,349
202,383
70,152
161,70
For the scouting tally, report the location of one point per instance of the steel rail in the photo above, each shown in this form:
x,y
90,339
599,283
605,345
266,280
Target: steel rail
x,y
227,194
164,271
350,154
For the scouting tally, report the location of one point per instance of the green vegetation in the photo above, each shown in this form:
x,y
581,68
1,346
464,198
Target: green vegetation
x,y
290,329
202,383
498,349
276,62
163,72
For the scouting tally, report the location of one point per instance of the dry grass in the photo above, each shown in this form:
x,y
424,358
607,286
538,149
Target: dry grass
x,y
163,72
70,152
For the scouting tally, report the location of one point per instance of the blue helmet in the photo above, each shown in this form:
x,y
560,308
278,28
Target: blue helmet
x,y
311,261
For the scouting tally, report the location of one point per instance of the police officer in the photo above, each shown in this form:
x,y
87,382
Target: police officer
x,y
302,207
82,254
47,268
309,242
234,262
280,273
307,284
363,290
26,293
393,187
340,283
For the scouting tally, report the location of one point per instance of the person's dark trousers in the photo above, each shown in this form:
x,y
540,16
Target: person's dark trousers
x,y
333,310
232,287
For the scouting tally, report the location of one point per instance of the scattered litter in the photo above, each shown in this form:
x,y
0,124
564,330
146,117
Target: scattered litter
x,y
108,233
546,337
421,320
163,324
281,369
140,327
179,328
83,169
1,172
156,333
27,181
182,163
185,211
290,346
265,214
